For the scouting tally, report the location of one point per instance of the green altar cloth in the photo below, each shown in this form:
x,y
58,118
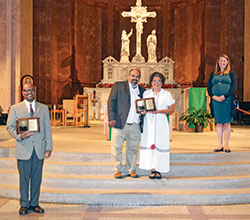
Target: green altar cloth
x,y
197,99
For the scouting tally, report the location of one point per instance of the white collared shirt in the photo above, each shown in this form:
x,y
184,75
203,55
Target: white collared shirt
x,y
133,117
28,105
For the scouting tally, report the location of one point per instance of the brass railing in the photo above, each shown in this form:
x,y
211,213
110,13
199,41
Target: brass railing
x,y
248,113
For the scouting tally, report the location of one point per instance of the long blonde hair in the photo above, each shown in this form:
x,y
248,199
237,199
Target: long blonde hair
x,y
217,66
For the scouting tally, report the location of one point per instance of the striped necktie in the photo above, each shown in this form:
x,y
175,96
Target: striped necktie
x,y
31,111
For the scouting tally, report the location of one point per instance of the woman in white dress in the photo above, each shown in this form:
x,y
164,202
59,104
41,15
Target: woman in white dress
x,y
154,154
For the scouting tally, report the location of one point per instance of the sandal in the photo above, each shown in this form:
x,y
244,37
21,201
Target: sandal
x,y
152,175
157,175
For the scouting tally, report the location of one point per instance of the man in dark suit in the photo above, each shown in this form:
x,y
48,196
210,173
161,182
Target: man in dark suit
x,y
125,123
31,148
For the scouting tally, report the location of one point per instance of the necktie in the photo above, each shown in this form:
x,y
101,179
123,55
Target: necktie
x,y
31,111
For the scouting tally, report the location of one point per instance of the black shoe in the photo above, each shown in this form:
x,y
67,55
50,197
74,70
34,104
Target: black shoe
x,y
218,150
227,150
157,175
23,211
37,209
152,175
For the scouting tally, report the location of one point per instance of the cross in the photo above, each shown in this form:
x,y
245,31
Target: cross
x,y
138,15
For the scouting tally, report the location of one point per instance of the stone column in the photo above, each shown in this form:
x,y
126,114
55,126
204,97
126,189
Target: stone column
x,y
4,62
7,54
26,37
15,48
247,53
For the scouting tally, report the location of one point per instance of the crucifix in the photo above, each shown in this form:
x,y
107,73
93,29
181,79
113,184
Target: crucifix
x,y
138,15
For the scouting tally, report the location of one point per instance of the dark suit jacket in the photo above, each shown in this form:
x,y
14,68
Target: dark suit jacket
x,y
119,103
42,141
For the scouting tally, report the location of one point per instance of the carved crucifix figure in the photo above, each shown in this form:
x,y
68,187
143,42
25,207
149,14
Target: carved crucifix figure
x,y
139,15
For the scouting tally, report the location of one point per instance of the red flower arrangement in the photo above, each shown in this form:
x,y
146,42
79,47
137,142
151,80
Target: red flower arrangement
x,y
105,85
186,84
171,86
166,86
144,85
152,146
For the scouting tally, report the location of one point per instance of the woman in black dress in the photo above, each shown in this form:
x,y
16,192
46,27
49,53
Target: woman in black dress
x,y
221,88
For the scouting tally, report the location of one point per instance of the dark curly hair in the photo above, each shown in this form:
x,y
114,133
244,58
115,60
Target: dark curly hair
x,y
157,74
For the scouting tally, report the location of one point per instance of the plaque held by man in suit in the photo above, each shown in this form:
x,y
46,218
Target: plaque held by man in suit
x,y
147,104
27,124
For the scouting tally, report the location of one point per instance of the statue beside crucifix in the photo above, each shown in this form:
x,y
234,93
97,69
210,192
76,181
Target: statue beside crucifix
x,y
138,15
114,70
152,44
125,45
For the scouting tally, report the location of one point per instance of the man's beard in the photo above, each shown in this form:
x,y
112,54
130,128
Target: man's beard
x,y
30,99
134,81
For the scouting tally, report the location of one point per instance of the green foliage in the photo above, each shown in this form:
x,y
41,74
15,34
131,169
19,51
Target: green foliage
x,y
197,117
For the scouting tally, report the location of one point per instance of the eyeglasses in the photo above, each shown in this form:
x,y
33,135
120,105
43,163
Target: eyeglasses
x,y
28,90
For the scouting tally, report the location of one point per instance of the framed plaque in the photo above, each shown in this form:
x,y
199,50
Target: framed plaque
x,y
147,104
27,124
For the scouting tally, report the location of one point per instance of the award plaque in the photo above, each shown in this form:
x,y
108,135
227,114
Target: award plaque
x,y
147,104
27,124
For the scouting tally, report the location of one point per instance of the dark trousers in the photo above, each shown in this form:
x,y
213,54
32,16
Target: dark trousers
x,y
30,177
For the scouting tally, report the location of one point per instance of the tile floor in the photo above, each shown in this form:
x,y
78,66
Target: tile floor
x,y
9,210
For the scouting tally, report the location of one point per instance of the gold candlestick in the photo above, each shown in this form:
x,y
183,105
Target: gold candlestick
x,y
94,101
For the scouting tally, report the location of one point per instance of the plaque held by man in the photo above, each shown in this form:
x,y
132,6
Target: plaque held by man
x,y
27,124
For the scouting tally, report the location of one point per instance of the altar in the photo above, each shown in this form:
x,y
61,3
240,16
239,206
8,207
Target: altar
x,y
118,71
101,95
114,70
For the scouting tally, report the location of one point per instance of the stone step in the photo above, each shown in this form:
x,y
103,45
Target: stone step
x,y
141,183
206,158
194,179
192,170
135,197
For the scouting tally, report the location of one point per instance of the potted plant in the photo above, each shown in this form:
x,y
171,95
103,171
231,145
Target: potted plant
x,y
199,118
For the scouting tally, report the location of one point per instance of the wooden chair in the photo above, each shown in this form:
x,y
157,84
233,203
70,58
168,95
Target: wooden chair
x,y
69,112
81,111
57,117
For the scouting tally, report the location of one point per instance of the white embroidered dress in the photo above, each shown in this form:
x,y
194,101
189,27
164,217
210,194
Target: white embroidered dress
x,y
156,132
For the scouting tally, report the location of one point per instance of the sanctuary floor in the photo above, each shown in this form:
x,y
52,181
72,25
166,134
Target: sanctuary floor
x,y
9,211
92,140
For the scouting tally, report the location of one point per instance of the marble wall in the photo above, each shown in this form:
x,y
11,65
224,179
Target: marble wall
x,y
52,38
72,37
247,53
88,41
67,48
188,39
224,33
65,42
